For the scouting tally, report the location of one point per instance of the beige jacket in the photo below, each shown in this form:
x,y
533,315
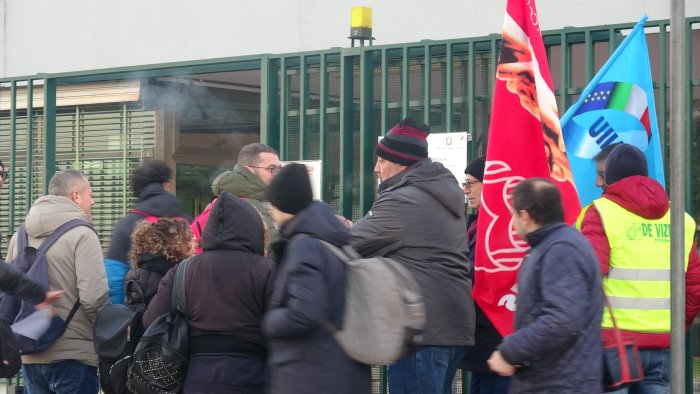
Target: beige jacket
x,y
75,266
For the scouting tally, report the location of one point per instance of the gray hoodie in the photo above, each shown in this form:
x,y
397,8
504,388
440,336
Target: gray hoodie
x,y
418,220
75,266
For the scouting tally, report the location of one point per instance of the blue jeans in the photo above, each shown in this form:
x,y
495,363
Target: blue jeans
x,y
60,377
486,383
430,370
657,373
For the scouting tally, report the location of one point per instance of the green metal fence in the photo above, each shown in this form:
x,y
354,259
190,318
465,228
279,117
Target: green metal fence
x,y
330,105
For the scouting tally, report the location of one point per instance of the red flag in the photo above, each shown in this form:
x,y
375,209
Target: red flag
x,y
525,141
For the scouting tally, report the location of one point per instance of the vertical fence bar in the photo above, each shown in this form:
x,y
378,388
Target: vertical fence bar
x,y
303,104
284,104
367,140
470,87
322,120
125,155
565,72
449,86
346,143
270,115
13,155
30,144
427,75
405,64
384,93
49,131
663,93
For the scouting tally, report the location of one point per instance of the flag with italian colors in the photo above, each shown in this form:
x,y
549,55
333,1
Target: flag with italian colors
x,y
616,106
524,141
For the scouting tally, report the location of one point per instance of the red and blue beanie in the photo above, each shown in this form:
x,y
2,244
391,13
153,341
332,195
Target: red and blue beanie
x,y
405,144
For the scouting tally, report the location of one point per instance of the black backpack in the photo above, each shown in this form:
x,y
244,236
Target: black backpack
x,y
159,363
10,360
117,330
32,262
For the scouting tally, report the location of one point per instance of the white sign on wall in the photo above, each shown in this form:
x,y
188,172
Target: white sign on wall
x,y
450,149
314,168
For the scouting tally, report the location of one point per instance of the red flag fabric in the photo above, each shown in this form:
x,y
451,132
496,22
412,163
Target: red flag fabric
x,y
525,141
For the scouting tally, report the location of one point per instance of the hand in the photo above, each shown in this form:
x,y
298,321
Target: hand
x,y
346,222
499,365
53,296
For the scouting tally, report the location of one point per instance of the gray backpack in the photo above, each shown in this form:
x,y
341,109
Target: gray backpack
x,y
384,312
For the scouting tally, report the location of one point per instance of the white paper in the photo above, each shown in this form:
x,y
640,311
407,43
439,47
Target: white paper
x,y
34,325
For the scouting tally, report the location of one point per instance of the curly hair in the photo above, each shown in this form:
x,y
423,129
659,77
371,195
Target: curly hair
x,y
167,237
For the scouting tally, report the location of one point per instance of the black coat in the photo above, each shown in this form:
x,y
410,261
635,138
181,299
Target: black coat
x,y
309,293
557,338
228,288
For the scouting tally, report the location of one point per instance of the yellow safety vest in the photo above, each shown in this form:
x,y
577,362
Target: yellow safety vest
x,y
638,284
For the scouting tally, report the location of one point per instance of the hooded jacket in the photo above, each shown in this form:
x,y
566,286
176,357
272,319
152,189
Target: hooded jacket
x,y
644,197
418,220
74,265
228,288
310,293
147,276
153,200
248,186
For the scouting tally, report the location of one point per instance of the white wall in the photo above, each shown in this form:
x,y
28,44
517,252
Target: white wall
x,y
73,35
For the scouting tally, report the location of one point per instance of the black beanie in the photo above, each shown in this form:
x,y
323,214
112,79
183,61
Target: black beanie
x,y
405,144
475,168
290,190
624,161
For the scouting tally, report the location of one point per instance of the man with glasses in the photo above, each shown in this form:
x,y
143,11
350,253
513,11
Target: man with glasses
x,y
257,164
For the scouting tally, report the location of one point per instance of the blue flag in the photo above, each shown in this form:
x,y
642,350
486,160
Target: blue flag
x,y
616,106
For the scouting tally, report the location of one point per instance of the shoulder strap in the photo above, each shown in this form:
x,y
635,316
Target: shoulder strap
x,y
347,254
72,311
178,297
140,212
22,238
51,239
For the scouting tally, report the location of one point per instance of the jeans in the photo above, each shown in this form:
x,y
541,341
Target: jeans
x,y
430,370
657,372
60,377
486,383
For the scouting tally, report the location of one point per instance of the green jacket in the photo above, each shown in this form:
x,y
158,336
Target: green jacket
x,y
249,187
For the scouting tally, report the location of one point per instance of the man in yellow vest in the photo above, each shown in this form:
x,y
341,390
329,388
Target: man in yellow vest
x,y
629,228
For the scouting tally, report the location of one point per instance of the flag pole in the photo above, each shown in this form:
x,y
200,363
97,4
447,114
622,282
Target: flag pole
x,y
677,187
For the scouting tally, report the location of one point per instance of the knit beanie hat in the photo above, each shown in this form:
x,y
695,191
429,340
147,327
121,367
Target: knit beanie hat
x,y
624,161
290,190
405,144
475,168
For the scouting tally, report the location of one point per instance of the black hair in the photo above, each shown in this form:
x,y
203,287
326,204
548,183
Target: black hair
x,y
605,152
150,171
539,198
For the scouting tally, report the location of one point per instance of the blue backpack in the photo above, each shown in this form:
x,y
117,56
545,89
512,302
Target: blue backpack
x,y
32,262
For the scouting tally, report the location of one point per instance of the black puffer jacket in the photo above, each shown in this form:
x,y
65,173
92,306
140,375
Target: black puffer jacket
x,y
151,270
309,292
228,288
15,283
557,338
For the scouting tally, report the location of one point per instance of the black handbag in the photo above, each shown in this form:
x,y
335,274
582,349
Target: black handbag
x,y
622,365
10,360
159,363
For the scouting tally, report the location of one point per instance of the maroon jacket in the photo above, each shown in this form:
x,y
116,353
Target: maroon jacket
x,y
645,197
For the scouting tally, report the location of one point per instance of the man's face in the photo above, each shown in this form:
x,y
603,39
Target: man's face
x,y
385,169
84,199
267,167
2,176
520,219
472,189
600,174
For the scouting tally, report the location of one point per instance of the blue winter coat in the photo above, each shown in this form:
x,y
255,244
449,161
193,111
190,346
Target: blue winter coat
x,y
557,338
309,293
154,200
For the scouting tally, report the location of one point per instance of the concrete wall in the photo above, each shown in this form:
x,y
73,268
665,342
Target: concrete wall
x,y
73,35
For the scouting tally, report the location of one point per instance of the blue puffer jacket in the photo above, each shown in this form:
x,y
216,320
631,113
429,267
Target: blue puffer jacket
x,y
557,338
154,200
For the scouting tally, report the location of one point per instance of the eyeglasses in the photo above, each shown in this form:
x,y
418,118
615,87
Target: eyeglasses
x,y
4,175
469,184
272,169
